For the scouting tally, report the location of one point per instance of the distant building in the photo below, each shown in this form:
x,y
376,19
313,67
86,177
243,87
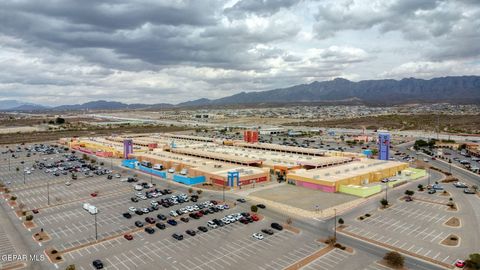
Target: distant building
x,y
250,136
383,145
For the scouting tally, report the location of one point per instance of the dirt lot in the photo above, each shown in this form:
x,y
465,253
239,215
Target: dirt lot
x,y
303,198
447,123
54,135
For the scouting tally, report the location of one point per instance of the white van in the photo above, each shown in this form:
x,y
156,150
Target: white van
x,y
90,208
137,187
158,167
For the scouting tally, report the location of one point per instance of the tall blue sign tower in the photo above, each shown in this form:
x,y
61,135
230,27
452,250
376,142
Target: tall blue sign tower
x,y
383,145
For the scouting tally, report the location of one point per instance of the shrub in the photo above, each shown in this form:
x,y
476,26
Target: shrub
x,y
337,245
58,258
343,247
340,221
190,190
368,215
394,259
13,198
362,218
384,203
29,218
54,251
199,191
454,238
70,267
254,208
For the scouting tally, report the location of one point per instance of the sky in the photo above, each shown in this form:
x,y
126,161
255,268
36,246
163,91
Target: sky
x,y
56,52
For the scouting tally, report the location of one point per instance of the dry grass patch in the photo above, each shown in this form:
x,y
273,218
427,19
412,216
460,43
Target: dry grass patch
x,y
453,222
451,241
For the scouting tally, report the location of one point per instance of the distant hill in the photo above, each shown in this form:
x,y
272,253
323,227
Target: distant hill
x,y
463,89
459,89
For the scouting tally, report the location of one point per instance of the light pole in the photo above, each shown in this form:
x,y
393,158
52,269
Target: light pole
x,y
335,226
223,191
429,173
48,191
386,191
96,232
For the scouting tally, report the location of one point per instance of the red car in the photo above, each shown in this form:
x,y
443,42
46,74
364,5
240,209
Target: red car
x,y
199,214
255,217
460,263
128,237
94,194
35,211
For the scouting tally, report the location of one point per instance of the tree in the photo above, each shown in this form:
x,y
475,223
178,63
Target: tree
x,y
199,191
384,202
70,267
409,192
29,218
289,221
93,161
59,121
473,261
18,169
254,208
474,187
394,259
420,187
190,190
340,221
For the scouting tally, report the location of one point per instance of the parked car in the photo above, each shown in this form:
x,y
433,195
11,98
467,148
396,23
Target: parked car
x,y
150,220
161,217
160,225
202,228
184,219
261,206
177,236
258,236
98,264
460,263
241,200
138,223
431,191
276,226
267,231
469,191
129,237
127,215
190,232
149,230
172,222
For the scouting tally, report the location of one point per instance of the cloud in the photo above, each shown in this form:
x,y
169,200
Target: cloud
x,y
149,51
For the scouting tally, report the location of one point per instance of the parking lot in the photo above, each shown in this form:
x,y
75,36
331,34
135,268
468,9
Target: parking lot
x,y
331,260
415,226
226,247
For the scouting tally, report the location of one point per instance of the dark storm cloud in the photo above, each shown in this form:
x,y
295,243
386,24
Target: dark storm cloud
x,y
258,7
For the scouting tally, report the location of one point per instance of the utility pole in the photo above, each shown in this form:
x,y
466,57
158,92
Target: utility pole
x,y
24,176
151,178
429,173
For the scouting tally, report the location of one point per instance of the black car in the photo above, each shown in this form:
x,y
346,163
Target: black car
x,y
138,223
172,222
184,219
150,230
190,232
241,200
261,206
202,229
134,199
177,236
160,225
276,226
109,177
127,215
267,231
150,220
161,217
193,215
97,264
139,212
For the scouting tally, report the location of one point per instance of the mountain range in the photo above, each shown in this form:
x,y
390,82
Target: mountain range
x,y
452,89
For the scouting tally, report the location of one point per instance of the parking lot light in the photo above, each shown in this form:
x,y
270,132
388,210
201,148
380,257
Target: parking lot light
x,y
96,231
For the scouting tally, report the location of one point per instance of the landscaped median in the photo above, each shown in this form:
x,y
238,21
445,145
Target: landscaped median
x,y
387,246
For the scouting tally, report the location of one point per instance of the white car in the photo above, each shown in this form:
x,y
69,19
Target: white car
x,y
132,209
145,210
226,220
117,175
137,187
173,213
212,224
153,203
171,170
258,236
